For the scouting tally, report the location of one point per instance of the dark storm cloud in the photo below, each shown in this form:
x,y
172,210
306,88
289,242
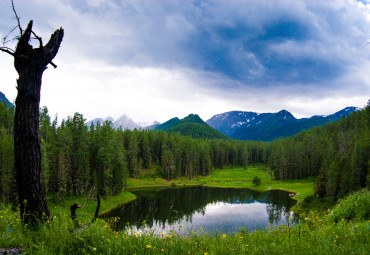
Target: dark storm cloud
x,y
254,42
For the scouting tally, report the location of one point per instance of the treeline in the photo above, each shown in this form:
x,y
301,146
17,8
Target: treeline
x,y
76,157
338,153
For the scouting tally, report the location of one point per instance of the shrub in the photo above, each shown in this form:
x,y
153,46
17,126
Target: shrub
x,y
356,206
256,181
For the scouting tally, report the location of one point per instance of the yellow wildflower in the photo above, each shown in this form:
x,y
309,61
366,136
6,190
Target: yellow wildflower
x,y
241,237
162,250
224,235
148,246
25,201
162,234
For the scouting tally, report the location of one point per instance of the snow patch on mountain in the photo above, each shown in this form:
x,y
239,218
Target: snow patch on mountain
x,y
124,122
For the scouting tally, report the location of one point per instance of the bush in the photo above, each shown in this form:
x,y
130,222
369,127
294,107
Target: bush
x,y
354,207
256,181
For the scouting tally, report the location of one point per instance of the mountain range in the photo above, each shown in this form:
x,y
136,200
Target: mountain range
x,y
239,125
124,122
268,126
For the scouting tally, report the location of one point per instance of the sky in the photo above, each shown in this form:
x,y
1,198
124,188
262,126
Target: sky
x,y
155,60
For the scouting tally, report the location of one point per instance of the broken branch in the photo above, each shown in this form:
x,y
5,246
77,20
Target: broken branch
x,y
7,50
16,16
38,38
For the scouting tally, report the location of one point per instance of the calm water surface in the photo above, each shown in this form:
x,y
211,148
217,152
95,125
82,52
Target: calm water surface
x,y
211,209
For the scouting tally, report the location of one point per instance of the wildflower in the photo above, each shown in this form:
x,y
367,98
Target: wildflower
x,y
205,253
162,250
224,235
1,217
25,201
162,234
148,246
246,246
241,237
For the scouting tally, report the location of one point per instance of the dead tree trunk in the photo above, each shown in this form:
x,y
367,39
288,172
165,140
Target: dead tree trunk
x,y
30,64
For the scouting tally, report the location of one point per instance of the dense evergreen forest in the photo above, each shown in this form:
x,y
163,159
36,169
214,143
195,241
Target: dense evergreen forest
x,y
76,157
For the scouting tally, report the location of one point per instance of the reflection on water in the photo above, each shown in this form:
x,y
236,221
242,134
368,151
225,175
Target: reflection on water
x,y
212,209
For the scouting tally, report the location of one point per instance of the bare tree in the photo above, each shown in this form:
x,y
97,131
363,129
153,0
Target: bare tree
x,y
30,64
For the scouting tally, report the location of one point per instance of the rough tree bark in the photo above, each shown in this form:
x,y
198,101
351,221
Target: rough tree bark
x,y
30,64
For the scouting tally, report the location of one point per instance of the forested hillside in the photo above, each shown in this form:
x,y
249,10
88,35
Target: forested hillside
x,y
193,126
4,99
338,153
269,126
76,157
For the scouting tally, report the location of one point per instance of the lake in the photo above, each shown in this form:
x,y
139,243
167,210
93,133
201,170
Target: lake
x,y
188,209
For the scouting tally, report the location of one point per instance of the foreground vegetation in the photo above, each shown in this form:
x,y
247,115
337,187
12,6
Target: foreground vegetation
x,y
317,234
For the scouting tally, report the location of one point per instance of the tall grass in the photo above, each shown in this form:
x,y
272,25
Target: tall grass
x,y
314,235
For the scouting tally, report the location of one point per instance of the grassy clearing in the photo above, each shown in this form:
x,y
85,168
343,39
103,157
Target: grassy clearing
x,y
240,178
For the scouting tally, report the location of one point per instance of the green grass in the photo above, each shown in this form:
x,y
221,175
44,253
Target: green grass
x,y
88,206
316,234
312,236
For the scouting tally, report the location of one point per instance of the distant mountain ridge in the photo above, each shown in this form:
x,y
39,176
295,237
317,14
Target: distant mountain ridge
x,y
268,126
124,122
3,98
193,126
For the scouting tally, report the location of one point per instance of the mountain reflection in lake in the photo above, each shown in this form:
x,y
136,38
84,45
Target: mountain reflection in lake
x,y
211,209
